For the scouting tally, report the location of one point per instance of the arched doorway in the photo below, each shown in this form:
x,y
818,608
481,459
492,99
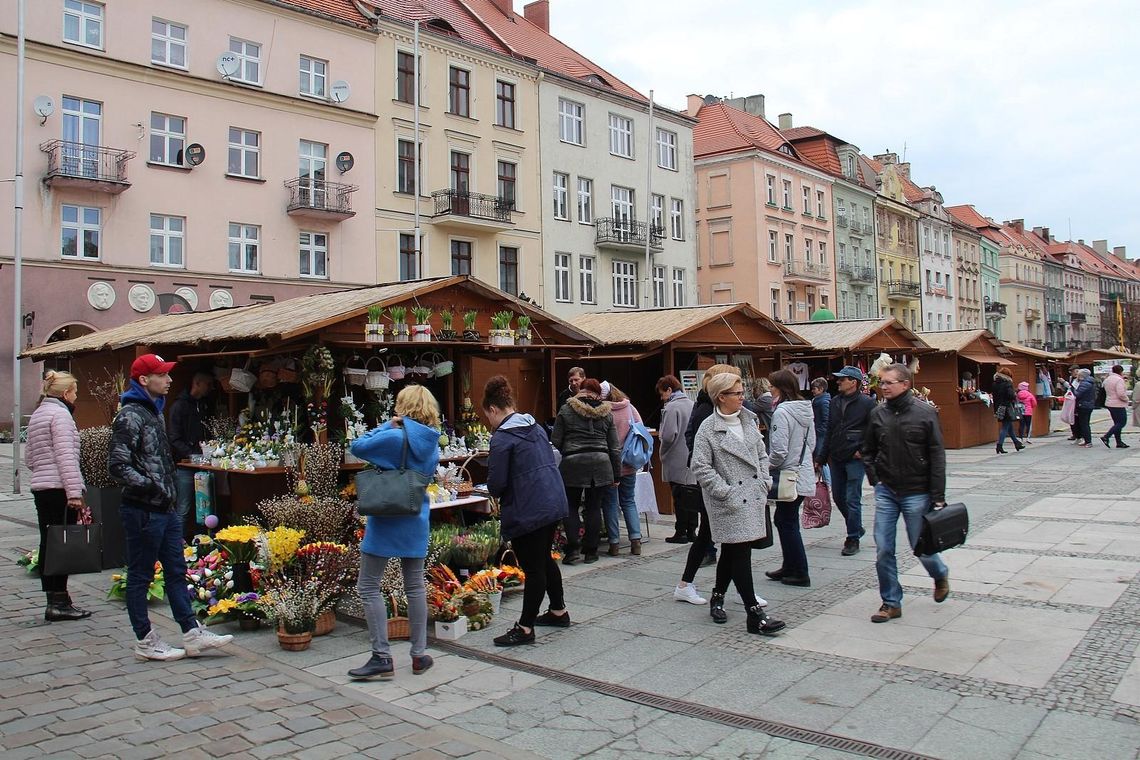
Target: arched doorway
x,y
66,332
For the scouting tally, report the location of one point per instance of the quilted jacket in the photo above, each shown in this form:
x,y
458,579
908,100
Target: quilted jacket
x,y
53,449
140,455
585,435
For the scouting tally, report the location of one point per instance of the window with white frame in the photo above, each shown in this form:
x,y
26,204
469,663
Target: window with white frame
x,y
244,153
851,165
508,182
678,287
167,240
245,244
842,257
771,189
249,61
791,305
808,245
314,77
460,257
625,283
587,281
658,286
621,136
83,23
658,211
561,203
168,43
314,254
562,292
585,200
570,122
772,243
167,139
405,77
406,166
621,203
666,149
788,194
807,199
81,231
819,204
459,91
677,218
774,304
823,253
409,258
509,269
788,242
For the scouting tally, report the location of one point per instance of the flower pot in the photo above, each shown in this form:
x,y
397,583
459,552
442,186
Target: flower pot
x,y
373,332
294,642
249,624
400,333
496,598
502,338
450,630
472,336
523,339
447,334
421,333
326,621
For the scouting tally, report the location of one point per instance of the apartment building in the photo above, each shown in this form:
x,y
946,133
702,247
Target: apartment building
x,y
936,259
968,266
1023,284
990,242
896,242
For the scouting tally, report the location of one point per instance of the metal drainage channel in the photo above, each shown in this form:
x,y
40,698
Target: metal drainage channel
x,y
691,709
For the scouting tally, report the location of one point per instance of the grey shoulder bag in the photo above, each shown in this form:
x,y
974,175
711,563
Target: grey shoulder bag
x,y
786,488
391,493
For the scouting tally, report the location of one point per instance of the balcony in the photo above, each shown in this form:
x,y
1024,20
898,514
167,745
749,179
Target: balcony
x,y
1035,343
86,167
1079,345
473,211
936,290
995,309
868,228
865,274
845,267
1055,318
626,234
840,221
1077,317
903,289
810,273
1032,315
317,199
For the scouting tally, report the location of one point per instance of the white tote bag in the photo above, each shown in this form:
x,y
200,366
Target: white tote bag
x,y
644,495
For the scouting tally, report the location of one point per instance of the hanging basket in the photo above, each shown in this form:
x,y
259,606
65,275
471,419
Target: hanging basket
x,y
397,371
376,379
241,379
423,368
355,375
441,367
267,378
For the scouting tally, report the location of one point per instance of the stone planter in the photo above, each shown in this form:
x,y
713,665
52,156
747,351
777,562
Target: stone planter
x,y
294,642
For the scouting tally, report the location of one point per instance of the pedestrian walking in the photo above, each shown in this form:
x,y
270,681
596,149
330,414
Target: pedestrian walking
x,y
1085,394
821,410
906,462
416,424
791,447
678,407
187,431
731,465
1005,400
140,459
1116,399
585,435
1029,404
847,424
523,476
52,455
622,502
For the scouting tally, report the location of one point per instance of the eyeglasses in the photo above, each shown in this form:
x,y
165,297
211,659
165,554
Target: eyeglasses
x,y
733,393
889,383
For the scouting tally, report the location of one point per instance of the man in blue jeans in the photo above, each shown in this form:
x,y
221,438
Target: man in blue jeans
x,y
140,459
847,424
906,462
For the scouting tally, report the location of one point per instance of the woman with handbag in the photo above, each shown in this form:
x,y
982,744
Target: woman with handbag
x,y
522,475
411,437
791,443
731,466
1005,409
52,454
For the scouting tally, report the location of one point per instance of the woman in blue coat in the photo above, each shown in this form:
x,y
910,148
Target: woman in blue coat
x,y
522,474
406,537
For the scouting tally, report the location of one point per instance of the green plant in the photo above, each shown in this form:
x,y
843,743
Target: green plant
x,y
502,320
399,315
469,318
422,314
293,604
524,323
94,449
375,313
446,317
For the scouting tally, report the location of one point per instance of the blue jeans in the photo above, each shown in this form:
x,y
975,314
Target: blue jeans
x,y
621,501
888,506
847,490
155,536
787,522
1006,430
1119,419
184,484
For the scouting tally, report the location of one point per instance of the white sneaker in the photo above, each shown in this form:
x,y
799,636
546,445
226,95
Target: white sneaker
x,y
688,594
199,640
152,647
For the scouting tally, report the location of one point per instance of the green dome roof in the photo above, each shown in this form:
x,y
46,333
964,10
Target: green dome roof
x,y
822,315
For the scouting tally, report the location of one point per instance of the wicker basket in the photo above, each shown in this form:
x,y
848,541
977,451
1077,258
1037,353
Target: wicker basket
x,y
399,628
326,621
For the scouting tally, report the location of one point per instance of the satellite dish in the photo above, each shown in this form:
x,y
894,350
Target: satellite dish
x,y
228,65
43,106
340,91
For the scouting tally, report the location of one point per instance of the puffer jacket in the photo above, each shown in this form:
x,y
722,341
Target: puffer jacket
x,y
1028,400
1004,395
1115,391
522,475
903,448
674,451
186,428
793,430
625,414
585,435
734,479
1086,394
52,453
140,455
821,409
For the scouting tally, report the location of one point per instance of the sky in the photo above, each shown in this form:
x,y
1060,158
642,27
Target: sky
x,y
1025,109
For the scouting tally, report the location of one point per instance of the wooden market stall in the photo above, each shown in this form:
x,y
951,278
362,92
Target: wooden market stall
x,y
856,342
1039,369
1089,358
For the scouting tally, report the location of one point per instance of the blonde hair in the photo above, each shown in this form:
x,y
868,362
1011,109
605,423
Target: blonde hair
x,y
616,394
58,383
416,402
722,383
718,369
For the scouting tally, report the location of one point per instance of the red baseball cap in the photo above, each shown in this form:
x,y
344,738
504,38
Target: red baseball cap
x,y
150,364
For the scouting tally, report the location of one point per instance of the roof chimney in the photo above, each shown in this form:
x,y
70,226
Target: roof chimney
x,y
1100,246
693,104
753,104
785,121
1118,252
1043,233
904,169
538,13
886,159
1017,225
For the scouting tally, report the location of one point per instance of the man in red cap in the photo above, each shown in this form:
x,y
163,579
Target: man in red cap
x,y
141,460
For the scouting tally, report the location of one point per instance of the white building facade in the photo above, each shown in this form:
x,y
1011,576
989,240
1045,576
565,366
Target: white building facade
x,y
937,264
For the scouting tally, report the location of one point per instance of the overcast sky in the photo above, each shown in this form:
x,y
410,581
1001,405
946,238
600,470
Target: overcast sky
x,y
1025,109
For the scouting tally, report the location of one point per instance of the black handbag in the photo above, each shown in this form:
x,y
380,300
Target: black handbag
x,y
73,549
943,528
391,493
770,539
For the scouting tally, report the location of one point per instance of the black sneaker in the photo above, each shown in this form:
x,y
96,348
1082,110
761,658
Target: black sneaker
x,y
591,558
775,575
548,618
571,558
378,666
1104,440
1123,446
514,637
850,547
678,538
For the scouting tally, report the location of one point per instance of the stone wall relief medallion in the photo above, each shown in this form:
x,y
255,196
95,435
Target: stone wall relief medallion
x,y
141,298
190,295
101,295
221,299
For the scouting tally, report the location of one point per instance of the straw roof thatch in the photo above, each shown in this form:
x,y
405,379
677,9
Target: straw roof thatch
x,y
961,340
650,327
1092,354
849,334
1036,353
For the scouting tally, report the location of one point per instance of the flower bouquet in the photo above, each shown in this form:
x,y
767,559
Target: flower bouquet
x,y
209,579
240,542
327,565
30,561
510,576
471,550
281,545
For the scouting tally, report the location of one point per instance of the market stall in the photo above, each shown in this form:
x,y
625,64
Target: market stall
x,y
1040,369
832,345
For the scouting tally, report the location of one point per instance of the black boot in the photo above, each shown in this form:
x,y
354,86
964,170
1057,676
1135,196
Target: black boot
x,y
716,608
1018,445
999,450
59,608
759,622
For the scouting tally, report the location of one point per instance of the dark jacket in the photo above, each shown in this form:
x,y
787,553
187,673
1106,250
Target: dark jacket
x,y
821,408
903,448
701,410
563,396
1085,393
140,456
522,475
585,435
185,425
1004,394
846,426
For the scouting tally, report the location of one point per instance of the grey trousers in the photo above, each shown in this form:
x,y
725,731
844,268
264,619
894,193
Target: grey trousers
x,y
368,584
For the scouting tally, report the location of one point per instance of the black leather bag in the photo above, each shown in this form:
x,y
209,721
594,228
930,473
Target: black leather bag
x,y
942,529
770,539
73,549
391,493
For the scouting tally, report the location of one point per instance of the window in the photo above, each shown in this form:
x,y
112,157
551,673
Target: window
x,y
625,283
570,122
244,247
676,218
788,194
621,136
666,149
83,23
167,43
774,305
791,305
82,125
823,253
167,236
585,200
409,259
842,258
505,104
459,91
808,244
678,287
658,287
460,257
788,248
771,190
807,199
405,77
312,163
819,204
509,270
658,212
244,153
82,230
561,181
507,179
851,166
406,167
167,139
249,61
772,236
314,77
586,282
460,172
562,278
621,201
314,254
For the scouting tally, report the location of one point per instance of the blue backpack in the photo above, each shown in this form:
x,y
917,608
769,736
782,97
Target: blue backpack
x,y
638,447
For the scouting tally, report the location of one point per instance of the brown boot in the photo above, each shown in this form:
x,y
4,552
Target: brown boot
x,y
885,613
614,549
941,590
635,547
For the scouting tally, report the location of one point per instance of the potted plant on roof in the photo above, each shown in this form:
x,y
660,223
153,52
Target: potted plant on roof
x,y
374,329
446,318
523,332
470,334
421,330
501,334
399,315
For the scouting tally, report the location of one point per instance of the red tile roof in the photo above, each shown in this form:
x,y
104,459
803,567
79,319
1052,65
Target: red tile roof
x,y
820,148
968,215
724,129
799,133
456,20
339,10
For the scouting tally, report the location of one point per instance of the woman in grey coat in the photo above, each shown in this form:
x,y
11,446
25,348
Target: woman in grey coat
x,y
791,443
731,465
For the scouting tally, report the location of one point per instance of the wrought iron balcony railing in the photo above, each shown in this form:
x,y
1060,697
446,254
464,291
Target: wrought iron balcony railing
x,y
845,267
1077,317
806,271
903,288
995,308
865,274
90,163
841,221
626,232
309,196
490,208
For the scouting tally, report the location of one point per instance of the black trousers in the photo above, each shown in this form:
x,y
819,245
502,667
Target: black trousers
x,y
595,497
686,509
52,509
702,545
1084,429
543,578
735,565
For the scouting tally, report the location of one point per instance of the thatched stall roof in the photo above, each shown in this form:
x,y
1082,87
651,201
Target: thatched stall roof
x,y
1091,355
717,326
981,346
1036,353
860,335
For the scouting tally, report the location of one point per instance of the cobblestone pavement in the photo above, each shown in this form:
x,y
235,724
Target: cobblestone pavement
x,y
1035,655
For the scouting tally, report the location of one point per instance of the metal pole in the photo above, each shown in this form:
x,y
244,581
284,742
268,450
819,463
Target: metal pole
x,y
17,280
649,206
416,127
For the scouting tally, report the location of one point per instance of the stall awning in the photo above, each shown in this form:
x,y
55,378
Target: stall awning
x,y
984,359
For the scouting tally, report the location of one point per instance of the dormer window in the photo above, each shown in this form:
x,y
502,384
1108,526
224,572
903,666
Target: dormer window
x,y
595,79
851,166
786,150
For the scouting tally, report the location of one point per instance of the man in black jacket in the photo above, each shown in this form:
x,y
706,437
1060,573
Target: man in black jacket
x,y
573,382
187,434
847,423
906,462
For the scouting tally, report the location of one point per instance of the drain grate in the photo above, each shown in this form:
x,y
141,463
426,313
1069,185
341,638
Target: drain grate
x,y
690,709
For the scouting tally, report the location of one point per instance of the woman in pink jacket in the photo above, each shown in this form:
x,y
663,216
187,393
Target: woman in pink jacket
x,y
1029,401
52,454
1116,399
622,500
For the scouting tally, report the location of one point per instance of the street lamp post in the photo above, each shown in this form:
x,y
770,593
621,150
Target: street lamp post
x,y
17,284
